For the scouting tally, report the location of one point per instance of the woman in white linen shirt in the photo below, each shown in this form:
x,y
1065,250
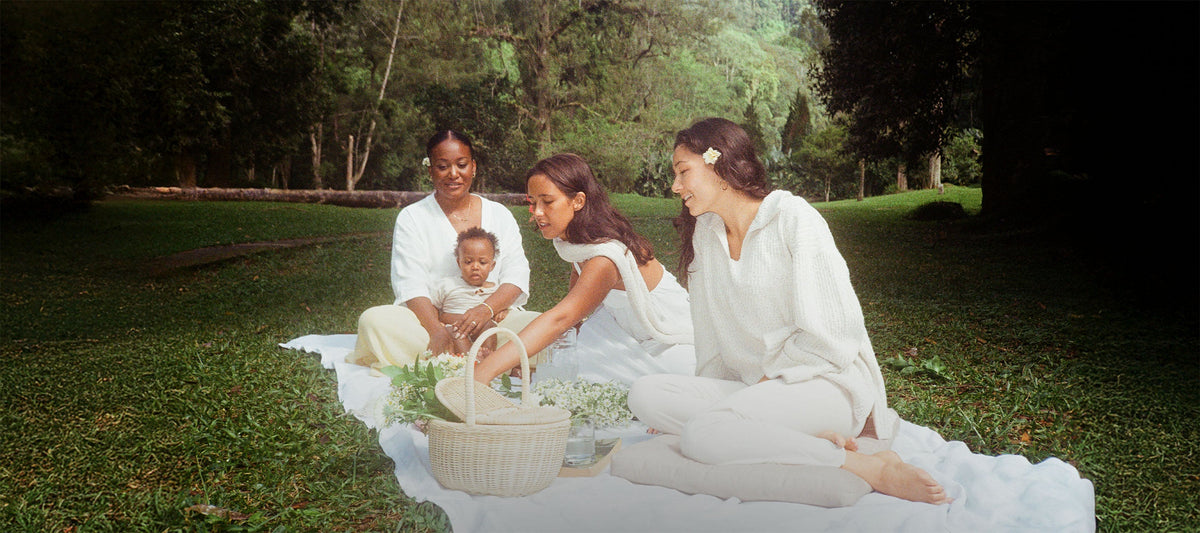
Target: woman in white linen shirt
x,y
423,251
785,369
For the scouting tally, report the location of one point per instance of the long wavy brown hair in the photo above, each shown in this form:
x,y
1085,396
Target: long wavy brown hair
x,y
598,220
738,165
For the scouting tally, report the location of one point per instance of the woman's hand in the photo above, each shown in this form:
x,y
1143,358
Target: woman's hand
x,y
440,341
839,440
473,322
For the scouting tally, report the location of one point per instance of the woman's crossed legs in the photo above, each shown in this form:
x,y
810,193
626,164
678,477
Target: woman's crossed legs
x,y
811,422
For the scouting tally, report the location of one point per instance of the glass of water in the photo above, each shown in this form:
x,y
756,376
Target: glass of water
x,y
562,363
581,443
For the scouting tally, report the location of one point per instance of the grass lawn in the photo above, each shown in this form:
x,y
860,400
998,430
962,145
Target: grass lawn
x,y
130,398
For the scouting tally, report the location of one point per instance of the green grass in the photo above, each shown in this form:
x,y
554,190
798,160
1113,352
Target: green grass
x,y
127,397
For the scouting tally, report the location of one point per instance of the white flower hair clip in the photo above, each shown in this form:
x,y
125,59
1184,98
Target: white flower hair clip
x,y
425,162
711,155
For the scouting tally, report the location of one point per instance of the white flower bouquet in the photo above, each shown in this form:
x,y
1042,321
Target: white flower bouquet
x,y
605,403
412,399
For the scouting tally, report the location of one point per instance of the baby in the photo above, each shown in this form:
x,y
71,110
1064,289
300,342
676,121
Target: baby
x,y
476,254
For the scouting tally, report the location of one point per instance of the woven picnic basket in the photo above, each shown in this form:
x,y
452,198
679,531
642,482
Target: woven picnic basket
x,y
500,448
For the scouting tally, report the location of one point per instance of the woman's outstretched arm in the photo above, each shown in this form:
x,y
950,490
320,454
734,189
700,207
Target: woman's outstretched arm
x,y
598,277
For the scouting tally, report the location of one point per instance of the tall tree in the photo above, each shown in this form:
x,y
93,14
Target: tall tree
x,y
896,67
563,46
358,151
799,123
200,87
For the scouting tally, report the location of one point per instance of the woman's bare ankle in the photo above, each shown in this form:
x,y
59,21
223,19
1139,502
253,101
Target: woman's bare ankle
x,y
888,474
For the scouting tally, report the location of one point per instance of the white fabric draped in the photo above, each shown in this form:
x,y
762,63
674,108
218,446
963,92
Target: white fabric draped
x,y
992,493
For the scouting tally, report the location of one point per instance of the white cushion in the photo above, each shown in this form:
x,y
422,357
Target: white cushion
x,y
658,461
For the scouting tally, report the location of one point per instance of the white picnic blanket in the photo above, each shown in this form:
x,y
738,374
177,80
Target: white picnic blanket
x,y
992,493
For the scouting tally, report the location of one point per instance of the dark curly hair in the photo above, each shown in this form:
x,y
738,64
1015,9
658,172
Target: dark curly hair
x,y
598,221
738,165
477,233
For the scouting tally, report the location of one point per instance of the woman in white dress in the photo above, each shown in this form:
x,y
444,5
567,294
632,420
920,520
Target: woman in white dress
x,y
639,314
785,369
423,246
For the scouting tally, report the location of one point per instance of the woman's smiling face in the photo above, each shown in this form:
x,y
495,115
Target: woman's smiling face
x,y
552,209
696,183
451,168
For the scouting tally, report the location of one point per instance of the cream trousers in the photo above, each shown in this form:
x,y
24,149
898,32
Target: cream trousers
x,y
392,335
729,422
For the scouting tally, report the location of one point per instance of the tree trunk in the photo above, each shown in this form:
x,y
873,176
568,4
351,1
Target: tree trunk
x,y
219,168
827,180
316,136
901,179
354,175
282,171
185,170
862,178
376,199
350,148
541,58
935,172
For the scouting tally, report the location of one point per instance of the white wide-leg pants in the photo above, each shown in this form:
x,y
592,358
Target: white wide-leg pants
x,y
729,422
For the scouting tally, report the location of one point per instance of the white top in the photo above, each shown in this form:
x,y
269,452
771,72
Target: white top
x,y
639,305
784,309
423,249
455,295
633,334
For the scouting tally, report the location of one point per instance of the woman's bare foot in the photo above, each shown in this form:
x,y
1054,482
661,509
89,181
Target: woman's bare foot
x,y
888,474
841,441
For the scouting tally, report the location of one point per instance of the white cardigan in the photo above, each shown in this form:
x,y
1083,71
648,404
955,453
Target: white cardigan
x,y
785,309
423,249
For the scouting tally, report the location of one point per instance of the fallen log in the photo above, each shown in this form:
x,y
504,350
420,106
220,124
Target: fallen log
x,y
370,199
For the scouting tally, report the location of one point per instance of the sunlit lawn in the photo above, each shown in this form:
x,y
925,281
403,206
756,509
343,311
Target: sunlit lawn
x,y
129,398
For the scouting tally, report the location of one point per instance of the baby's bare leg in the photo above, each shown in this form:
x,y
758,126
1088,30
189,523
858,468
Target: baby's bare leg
x,y
460,344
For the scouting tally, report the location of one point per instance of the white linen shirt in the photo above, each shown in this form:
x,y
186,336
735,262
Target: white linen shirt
x,y
423,249
784,309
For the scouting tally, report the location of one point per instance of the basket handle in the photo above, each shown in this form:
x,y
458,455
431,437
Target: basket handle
x,y
470,381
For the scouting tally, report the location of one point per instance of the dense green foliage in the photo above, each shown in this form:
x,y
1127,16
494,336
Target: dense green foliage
x,y
311,94
134,92
919,56
129,398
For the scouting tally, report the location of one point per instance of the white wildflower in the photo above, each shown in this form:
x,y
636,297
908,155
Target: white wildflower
x,y
605,403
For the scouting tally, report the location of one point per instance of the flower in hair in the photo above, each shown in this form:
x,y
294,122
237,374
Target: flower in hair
x,y
425,162
711,155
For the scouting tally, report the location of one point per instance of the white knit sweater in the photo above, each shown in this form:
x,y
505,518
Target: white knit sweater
x,y
785,309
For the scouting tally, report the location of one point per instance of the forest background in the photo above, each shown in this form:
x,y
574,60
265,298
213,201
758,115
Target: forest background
x,y
313,94
1076,117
